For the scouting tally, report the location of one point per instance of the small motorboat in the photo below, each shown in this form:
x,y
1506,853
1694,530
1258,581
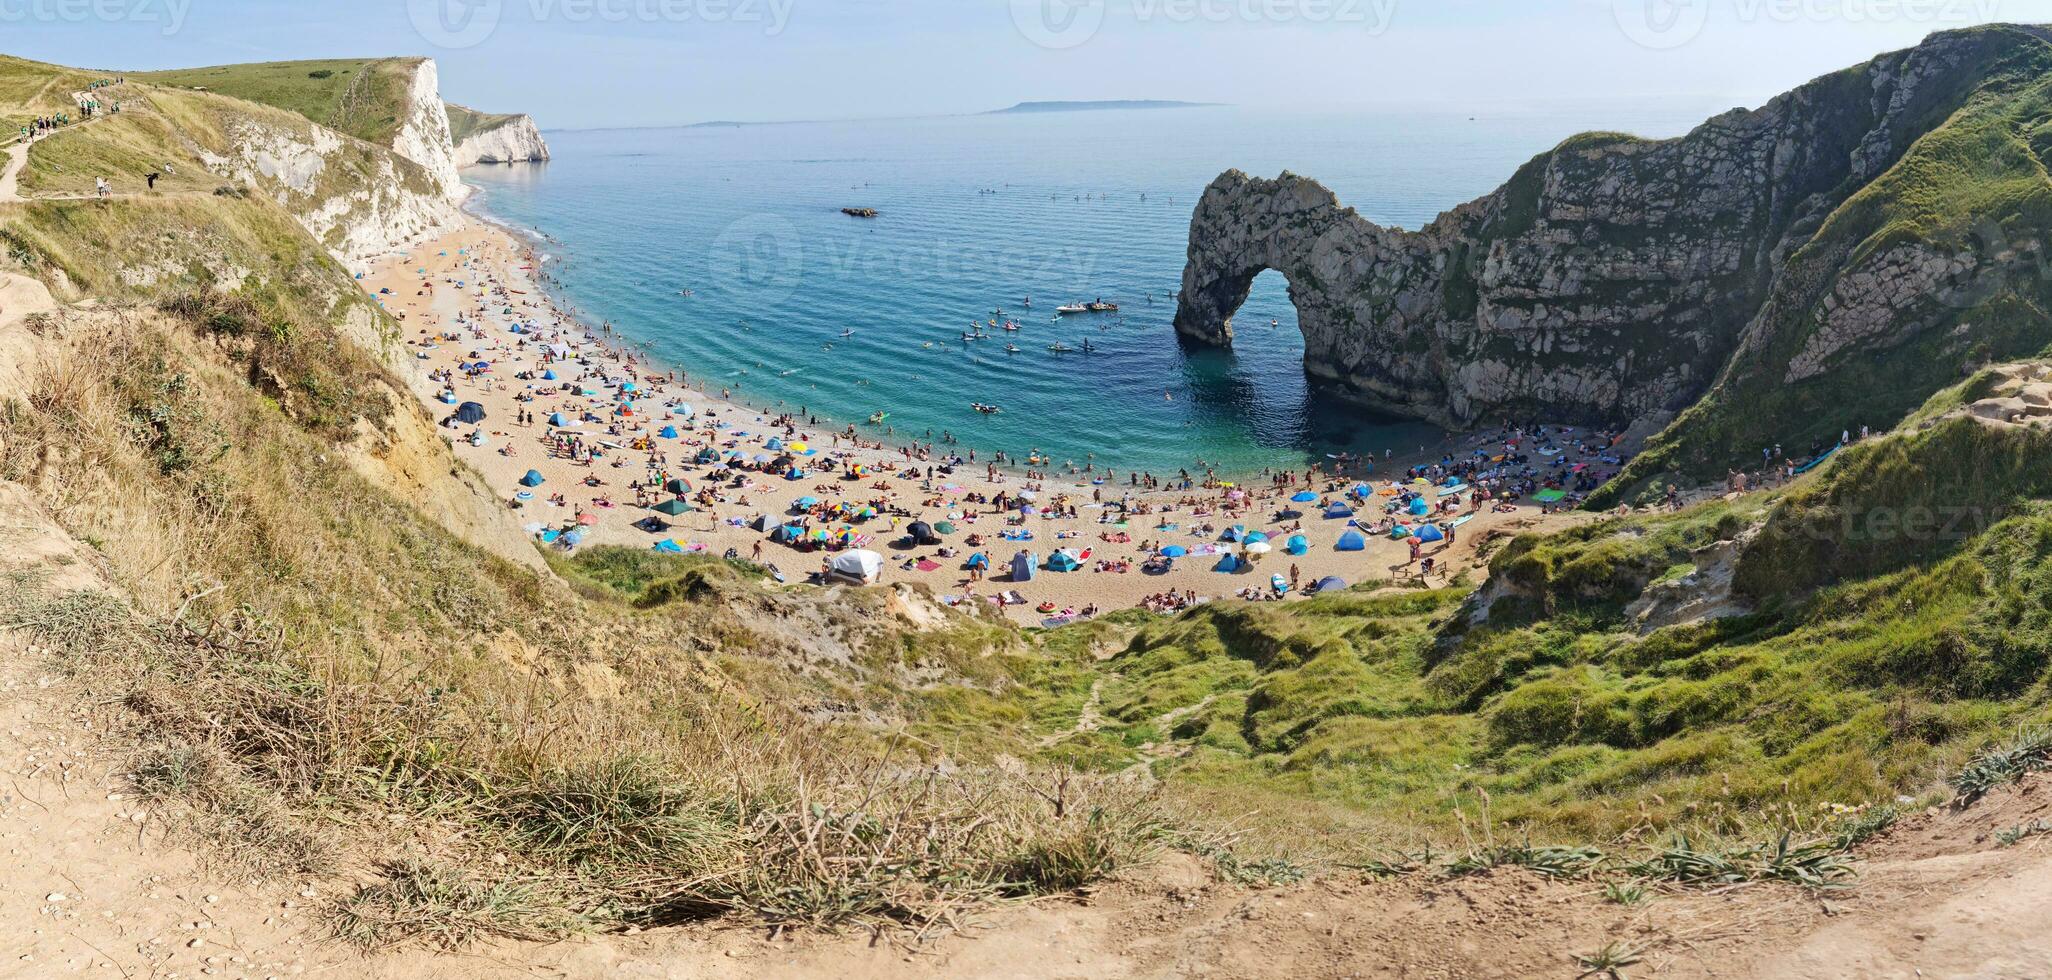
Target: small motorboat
x,y
1072,308
1061,348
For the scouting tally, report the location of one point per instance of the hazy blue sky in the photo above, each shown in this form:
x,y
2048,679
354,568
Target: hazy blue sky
x,y
639,62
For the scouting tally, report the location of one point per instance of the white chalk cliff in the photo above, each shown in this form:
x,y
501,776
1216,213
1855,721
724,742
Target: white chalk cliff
x,y
502,139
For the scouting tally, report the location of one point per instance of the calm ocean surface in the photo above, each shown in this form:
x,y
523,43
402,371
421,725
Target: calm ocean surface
x,y
977,214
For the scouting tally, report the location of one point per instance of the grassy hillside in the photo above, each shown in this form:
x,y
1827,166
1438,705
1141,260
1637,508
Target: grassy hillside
x,y
1975,187
361,97
465,122
29,89
1870,665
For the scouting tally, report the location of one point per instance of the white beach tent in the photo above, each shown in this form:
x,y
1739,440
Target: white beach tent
x,y
860,567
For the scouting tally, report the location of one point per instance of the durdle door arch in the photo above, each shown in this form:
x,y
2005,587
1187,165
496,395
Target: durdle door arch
x,y
1510,306
1244,226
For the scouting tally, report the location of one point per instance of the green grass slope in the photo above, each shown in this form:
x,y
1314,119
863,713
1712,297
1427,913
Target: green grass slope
x,y
1876,656
465,122
361,97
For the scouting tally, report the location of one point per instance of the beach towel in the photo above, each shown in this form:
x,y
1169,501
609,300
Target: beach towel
x,y
927,565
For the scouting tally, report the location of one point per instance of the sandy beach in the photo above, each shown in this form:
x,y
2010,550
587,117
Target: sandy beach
x,y
611,436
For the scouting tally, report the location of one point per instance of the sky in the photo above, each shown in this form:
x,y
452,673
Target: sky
x,y
598,63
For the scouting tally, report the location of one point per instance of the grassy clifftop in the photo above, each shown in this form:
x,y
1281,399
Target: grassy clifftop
x,y
362,97
465,122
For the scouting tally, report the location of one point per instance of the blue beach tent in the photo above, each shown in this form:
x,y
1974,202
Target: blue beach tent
x,y
1419,508
977,560
1023,566
1351,541
1331,583
1430,532
532,479
1228,563
1062,561
1297,544
1339,509
1174,551
470,413
668,432
556,419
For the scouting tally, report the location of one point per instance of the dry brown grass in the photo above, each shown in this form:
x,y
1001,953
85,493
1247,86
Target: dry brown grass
x,y
305,661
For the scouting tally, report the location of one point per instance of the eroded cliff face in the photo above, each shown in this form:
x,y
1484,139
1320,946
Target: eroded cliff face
x,y
423,135
1612,277
517,140
357,199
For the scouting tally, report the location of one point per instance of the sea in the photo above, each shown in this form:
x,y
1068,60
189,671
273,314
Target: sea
x,y
722,250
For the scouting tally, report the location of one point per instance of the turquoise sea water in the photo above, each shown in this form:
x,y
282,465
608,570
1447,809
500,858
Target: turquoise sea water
x,y
977,214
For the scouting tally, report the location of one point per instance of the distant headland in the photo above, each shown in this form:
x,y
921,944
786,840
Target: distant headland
x,y
1099,106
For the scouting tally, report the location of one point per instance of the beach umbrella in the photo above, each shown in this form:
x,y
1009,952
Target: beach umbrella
x,y
1304,497
1259,548
532,479
1029,510
535,527
1174,551
798,447
808,502
571,538
1297,544
676,484
673,507
944,527
587,520
1331,583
